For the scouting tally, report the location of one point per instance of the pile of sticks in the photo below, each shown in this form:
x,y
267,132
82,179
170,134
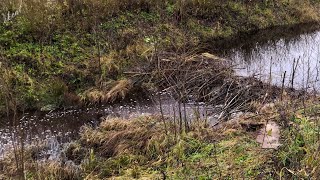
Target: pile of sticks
x,y
207,78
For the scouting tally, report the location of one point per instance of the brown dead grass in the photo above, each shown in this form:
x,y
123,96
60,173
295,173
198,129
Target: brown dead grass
x,y
120,90
118,136
37,168
146,135
54,170
110,92
144,140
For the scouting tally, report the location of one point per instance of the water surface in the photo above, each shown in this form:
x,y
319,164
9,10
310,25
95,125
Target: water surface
x,y
298,57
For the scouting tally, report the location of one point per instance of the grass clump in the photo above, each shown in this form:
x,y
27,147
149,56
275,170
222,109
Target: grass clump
x,y
109,92
141,148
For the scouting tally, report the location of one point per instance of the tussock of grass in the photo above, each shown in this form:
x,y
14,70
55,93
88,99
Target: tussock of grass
x,y
120,90
144,136
109,92
53,170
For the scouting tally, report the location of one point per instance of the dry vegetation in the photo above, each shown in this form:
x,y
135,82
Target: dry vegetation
x,y
140,148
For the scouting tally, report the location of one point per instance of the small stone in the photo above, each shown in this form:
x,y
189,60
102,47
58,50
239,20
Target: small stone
x,y
269,136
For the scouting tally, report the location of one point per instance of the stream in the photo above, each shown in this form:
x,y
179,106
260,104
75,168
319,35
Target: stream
x,y
297,57
58,127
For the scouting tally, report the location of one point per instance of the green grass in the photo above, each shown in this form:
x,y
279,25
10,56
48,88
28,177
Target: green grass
x,y
299,156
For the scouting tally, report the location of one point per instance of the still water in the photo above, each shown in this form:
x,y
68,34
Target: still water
x,y
298,58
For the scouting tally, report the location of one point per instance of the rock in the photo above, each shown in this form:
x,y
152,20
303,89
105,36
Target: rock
x,y
269,136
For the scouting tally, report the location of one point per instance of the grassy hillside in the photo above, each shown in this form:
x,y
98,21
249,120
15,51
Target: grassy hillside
x,y
71,52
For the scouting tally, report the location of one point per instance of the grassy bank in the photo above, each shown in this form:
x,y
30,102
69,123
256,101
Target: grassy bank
x,y
140,148
77,52
82,52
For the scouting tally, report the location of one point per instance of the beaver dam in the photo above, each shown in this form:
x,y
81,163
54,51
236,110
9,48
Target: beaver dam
x,y
182,90
189,86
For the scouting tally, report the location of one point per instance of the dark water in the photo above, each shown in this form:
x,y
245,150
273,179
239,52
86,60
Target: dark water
x,y
270,60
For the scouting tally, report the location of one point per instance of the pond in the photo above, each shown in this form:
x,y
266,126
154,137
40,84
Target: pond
x,y
294,61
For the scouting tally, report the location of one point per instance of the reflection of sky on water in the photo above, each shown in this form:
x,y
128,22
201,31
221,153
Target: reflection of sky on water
x,y
279,57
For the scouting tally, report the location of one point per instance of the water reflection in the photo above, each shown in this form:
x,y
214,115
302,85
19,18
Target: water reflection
x,y
269,61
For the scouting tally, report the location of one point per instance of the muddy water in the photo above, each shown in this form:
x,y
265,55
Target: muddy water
x,y
298,57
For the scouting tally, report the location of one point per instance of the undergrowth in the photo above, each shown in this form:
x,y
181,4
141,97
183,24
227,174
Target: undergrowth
x,y
73,52
299,156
